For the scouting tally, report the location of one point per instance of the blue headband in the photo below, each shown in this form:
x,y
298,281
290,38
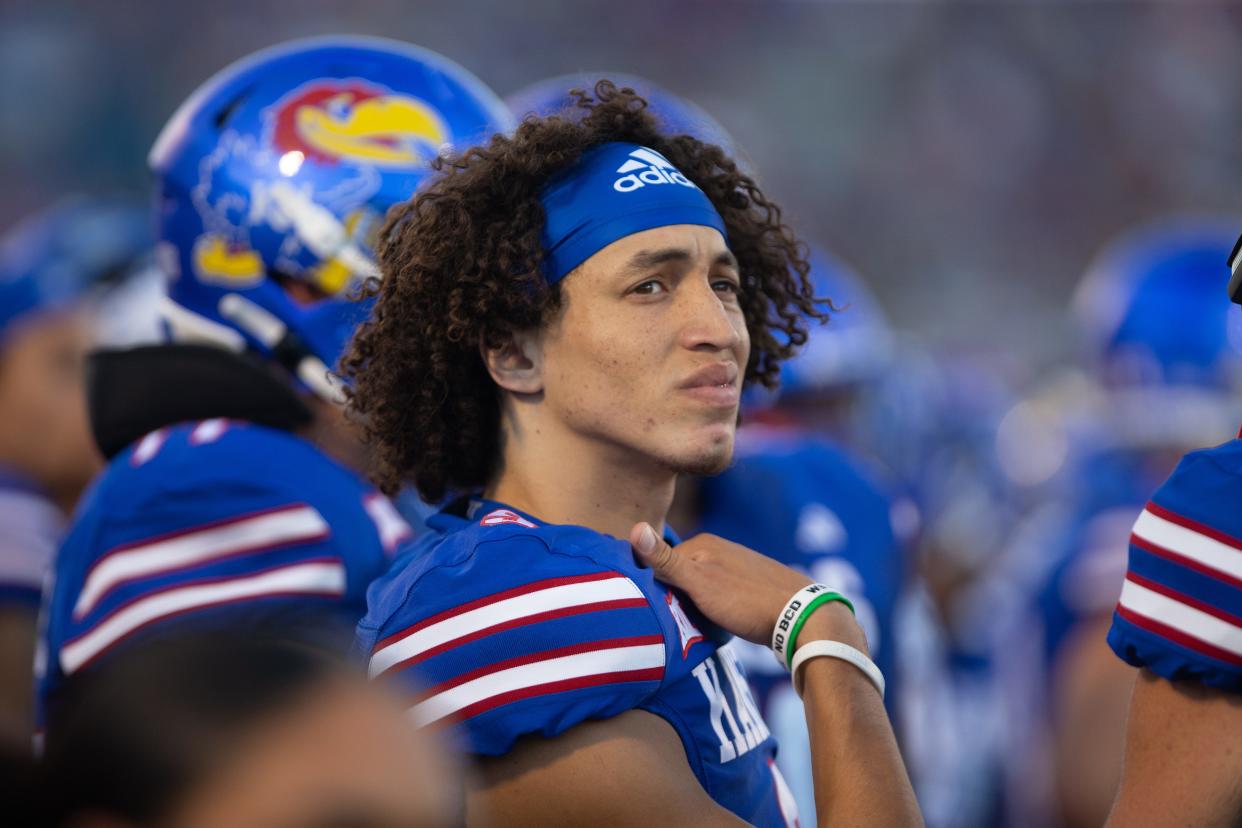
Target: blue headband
x,y
614,191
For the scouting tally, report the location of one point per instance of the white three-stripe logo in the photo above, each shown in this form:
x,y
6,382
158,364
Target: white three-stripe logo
x,y
645,166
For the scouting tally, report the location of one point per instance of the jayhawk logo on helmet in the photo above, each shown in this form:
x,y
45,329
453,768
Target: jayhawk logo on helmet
x,y
279,170
333,120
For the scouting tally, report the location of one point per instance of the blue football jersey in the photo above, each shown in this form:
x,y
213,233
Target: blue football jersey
x,y
802,500
214,522
1180,610
507,626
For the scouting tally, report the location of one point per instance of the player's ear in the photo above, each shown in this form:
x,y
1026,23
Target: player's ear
x,y
514,359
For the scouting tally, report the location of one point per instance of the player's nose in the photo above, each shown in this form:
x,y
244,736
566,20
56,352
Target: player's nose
x,y
708,323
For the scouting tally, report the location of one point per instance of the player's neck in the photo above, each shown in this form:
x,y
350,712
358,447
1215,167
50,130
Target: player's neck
x,y
562,477
334,435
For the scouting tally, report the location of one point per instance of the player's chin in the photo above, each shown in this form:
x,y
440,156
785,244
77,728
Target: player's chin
x,y
710,452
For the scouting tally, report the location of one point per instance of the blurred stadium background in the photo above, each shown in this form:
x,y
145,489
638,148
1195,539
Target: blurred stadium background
x,y
969,161
967,158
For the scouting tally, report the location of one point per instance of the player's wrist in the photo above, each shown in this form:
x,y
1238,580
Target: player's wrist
x,y
840,655
834,622
798,611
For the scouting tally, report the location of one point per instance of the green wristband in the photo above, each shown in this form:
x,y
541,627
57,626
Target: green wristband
x,y
812,605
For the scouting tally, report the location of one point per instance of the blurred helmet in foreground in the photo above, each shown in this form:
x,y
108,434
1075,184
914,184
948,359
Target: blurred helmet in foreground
x,y
1164,342
675,115
51,259
855,345
274,178
1152,308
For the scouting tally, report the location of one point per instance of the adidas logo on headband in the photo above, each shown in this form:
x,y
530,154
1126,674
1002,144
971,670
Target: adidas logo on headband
x,y
648,167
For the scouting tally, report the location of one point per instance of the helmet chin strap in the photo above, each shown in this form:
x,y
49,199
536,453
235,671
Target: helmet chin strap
x,y
189,328
287,348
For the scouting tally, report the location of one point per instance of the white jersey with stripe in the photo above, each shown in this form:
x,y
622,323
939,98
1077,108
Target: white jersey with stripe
x,y
212,523
503,626
1180,610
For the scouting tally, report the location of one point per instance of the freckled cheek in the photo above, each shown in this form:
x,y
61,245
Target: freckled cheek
x,y
624,352
595,371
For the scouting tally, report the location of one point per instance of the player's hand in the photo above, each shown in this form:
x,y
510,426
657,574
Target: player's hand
x,y
738,588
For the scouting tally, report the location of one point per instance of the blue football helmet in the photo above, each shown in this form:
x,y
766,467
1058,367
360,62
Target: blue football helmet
x,y
674,115
854,346
277,173
1152,309
50,260
1164,343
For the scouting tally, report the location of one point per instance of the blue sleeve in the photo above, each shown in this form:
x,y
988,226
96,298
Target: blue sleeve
x,y
515,638
1180,611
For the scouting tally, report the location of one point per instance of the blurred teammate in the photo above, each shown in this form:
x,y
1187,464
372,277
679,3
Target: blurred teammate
x,y
232,491
674,114
50,265
605,284
239,730
1165,366
1179,618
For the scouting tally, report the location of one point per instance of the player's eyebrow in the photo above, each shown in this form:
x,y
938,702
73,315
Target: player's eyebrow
x,y
647,259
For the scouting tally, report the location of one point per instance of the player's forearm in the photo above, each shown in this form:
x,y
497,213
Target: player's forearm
x,y
860,778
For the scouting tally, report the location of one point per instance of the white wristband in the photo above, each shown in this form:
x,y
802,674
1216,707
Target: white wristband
x,y
835,649
785,621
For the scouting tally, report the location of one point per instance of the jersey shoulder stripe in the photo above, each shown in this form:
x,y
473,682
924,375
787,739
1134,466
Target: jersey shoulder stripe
x,y
251,533
1164,532
588,664
508,609
324,577
1184,619
1180,609
509,629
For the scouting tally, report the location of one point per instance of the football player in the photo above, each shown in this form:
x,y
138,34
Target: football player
x,y
1179,619
1163,366
52,268
565,323
232,492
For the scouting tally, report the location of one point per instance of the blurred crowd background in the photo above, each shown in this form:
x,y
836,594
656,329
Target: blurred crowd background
x,y
1023,380
968,158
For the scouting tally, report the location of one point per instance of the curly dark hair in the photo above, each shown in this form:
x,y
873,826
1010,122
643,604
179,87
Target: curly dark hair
x,y
460,266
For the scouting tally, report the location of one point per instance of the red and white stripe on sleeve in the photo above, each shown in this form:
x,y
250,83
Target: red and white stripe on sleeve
x,y
320,577
611,655
206,543
1169,608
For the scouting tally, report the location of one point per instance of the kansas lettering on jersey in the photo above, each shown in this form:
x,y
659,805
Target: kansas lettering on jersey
x,y
507,626
212,522
1180,611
